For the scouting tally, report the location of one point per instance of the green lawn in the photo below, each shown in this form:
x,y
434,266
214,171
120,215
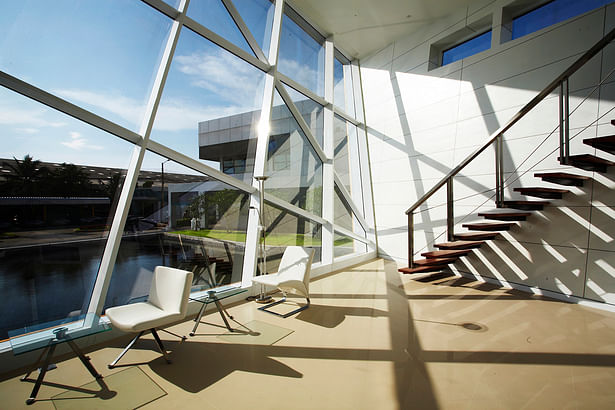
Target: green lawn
x,y
276,239
223,235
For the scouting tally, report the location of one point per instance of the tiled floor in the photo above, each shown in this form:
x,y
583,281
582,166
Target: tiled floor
x,y
374,339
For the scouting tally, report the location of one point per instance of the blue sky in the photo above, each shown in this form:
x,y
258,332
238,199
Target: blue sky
x,y
103,56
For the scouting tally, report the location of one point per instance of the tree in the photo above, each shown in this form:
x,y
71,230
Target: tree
x,y
71,180
25,178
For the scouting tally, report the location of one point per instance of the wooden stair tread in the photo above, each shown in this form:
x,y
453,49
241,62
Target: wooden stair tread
x,y
505,215
446,253
476,235
434,261
590,158
421,269
602,143
542,192
489,226
562,178
540,189
561,175
527,205
589,162
459,245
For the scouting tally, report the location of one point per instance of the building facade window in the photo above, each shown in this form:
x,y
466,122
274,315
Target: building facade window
x,y
343,92
550,14
302,54
469,47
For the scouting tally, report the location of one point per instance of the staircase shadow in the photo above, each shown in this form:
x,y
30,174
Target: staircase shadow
x,y
447,279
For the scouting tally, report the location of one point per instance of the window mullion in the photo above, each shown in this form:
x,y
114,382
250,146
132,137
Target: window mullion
x,y
328,202
107,263
301,122
245,31
250,256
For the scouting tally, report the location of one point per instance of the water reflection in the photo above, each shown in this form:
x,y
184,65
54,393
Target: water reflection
x,y
45,283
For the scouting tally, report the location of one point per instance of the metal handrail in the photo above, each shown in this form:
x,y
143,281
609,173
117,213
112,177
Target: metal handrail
x,y
520,114
562,82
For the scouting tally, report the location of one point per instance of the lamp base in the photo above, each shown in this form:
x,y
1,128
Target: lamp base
x,y
263,299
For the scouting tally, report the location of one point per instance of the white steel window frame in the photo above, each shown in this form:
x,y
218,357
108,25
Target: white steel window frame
x,y
273,81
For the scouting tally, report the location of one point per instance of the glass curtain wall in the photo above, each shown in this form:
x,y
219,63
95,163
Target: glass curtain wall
x,y
137,145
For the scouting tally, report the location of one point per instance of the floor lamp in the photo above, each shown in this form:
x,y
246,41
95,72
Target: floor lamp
x,y
262,298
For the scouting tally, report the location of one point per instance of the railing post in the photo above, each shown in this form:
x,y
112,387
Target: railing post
x,y
564,121
450,218
411,239
567,117
499,172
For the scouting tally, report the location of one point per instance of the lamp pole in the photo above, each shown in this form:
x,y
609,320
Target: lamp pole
x,y
262,298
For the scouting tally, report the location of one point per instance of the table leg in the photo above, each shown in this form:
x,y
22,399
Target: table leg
x,y
84,359
38,361
41,375
222,311
197,320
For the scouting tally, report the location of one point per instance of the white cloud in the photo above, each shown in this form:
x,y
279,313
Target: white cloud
x,y
301,73
237,87
30,118
177,115
230,78
28,130
124,107
77,142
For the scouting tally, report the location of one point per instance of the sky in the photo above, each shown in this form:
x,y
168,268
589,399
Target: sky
x,y
103,56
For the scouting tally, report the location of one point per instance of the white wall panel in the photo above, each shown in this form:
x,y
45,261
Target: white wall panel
x,y
600,276
438,117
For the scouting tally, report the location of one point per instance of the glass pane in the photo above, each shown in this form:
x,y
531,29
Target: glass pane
x,y
344,245
311,111
183,219
346,158
341,154
342,212
287,229
552,13
210,106
213,15
301,57
467,48
71,48
173,3
343,94
258,16
294,169
59,182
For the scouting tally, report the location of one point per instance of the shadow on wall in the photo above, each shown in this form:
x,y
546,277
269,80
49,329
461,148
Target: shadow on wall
x,y
423,123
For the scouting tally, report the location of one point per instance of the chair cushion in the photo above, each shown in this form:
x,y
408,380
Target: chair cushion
x,y
140,316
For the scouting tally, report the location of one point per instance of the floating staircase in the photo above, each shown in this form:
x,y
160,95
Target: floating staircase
x,y
512,214
515,211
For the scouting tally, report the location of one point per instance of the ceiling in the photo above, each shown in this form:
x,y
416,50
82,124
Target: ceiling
x,y
361,27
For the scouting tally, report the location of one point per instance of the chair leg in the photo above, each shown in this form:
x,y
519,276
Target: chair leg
x,y
160,346
132,342
285,315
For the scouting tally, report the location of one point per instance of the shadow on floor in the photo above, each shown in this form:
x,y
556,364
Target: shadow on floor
x,y
332,316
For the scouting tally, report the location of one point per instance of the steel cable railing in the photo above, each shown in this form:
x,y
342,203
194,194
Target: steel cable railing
x,y
561,82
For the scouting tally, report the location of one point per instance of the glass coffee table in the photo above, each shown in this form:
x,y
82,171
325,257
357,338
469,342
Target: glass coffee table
x,y
207,296
48,337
